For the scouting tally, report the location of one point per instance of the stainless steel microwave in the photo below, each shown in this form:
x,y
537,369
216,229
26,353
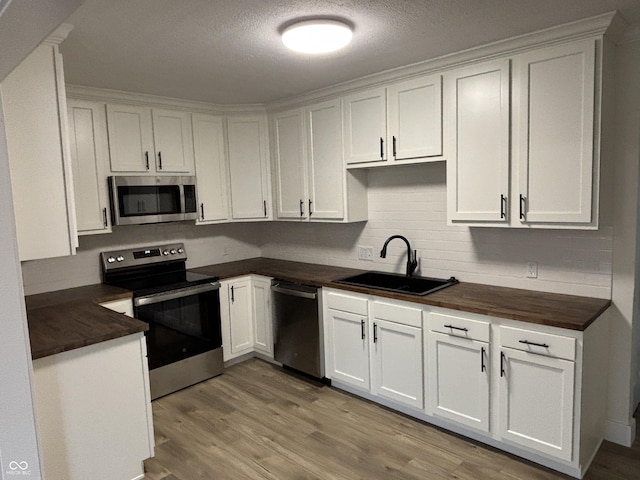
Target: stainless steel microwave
x,y
137,200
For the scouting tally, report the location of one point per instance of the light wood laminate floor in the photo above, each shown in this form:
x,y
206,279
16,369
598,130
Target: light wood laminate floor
x,y
259,422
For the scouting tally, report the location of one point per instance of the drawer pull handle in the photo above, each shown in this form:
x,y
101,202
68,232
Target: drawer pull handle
x,y
462,329
483,367
527,342
375,333
362,329
502,359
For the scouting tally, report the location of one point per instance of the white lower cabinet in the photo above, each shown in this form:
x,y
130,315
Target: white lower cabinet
x,y
245,310
396,353
262,323
532,390
375,347
536,394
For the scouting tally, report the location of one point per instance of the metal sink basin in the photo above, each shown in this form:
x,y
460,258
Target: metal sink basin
x,y
394,282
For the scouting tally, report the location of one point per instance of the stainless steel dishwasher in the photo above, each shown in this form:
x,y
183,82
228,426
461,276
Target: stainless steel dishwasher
x,y
297,332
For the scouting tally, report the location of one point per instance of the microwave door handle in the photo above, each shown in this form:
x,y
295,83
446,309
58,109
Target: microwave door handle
x,y
175,294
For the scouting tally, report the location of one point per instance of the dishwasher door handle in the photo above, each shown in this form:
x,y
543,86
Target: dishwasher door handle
x,y
293,293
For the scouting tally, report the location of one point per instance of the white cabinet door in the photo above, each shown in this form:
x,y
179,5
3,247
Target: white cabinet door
x,y
211,168
172,141
396,362
477,137
415,118
240,316
536,402
555,99
365,126
349,348
248,167
89,156
290,160
458,379
325,164
130,138
35,114
261,297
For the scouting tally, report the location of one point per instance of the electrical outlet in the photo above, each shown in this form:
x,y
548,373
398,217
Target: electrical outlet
x,y
365,253
532,270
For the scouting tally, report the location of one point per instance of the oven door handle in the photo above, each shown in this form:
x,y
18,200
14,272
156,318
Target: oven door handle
x,y
174,294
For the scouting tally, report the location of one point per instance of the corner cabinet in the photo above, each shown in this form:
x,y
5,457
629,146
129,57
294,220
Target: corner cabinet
x,y
245,309
249,171
211,168
401,123
310,178
35,114
89,159
549,176
142,139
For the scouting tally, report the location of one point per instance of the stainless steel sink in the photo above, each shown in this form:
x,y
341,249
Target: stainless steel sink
x,y
394,282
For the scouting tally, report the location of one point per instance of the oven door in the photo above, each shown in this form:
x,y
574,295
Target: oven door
x,y
182,323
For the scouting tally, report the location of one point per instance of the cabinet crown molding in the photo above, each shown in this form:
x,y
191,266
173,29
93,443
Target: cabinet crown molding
x,y
59,35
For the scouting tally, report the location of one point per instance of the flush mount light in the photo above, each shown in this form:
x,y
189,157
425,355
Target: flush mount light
x,y
317,36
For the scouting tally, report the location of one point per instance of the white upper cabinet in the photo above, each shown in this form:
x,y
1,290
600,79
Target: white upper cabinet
x,y
89,157
415,118
249,167
311,181
477,136
554,97
549,176
146,140
172,139
401,123
365,126
130,138
211,168
290,164
35,114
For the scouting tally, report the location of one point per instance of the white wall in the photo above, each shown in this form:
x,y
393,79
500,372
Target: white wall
x,y
411,201
23,25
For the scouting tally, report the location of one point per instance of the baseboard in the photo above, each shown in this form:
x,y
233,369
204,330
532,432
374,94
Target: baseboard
x,y
620,433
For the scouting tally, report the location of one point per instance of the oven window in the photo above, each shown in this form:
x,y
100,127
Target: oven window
x,y
182,327
148,200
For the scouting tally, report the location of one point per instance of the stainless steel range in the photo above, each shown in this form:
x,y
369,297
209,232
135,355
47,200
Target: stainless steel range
x,y
184,340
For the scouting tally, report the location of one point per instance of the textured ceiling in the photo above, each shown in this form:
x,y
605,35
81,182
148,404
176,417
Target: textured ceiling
x,y
229,51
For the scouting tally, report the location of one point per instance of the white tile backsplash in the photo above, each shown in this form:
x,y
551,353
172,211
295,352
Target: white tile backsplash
x,y
406,200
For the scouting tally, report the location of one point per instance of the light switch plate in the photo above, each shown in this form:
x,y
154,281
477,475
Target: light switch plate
x,y
365,253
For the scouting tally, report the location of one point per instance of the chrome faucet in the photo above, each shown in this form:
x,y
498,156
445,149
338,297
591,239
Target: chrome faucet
x,y
412,261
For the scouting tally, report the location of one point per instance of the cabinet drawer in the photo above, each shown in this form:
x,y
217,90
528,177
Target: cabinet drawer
x,y
347,303
397,314
537,342
459,327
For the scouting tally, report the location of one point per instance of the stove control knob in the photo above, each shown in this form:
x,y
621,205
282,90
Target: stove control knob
x,y
181,250
173,251
120,258
111,259
166,252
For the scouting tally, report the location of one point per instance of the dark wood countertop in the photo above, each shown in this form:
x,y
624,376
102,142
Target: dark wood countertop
x,y
68,319
552,309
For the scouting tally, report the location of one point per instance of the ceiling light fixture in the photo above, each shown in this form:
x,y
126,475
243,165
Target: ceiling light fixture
x,y
317,36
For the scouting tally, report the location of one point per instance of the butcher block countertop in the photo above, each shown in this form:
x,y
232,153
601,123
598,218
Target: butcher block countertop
x,y
556,310
68,319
